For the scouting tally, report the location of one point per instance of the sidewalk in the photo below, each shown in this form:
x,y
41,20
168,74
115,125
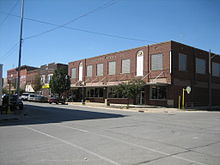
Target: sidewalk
x,y
144,108
135,108
11,116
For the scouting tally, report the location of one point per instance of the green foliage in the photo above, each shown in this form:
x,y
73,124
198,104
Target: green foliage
x,y
130,89
36,84
5,91
60,82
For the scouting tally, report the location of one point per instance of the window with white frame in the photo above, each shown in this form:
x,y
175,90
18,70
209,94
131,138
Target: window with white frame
x,y
215,69
49,77
99,70
182,62
140,63
73,73
89,71
43,79
80,71
200,66
125,68
111,67
157,62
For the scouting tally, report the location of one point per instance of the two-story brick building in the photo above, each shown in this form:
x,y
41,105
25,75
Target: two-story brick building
x,y
46,72
166,68
12,75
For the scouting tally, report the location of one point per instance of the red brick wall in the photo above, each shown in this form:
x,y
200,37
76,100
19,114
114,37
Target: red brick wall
x,y
198,82
163,48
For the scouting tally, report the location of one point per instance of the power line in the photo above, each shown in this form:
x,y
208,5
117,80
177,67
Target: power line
x,y
9,52
108,4
12,49
81,30
86,31
10,11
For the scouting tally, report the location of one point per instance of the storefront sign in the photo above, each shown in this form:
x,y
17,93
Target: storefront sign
x,y
45,86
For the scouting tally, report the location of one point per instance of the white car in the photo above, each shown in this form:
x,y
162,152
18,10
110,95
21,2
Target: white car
x,y
31,97
24,96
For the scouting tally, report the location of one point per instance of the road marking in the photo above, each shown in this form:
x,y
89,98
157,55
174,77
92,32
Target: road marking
x,y
132,144
73,145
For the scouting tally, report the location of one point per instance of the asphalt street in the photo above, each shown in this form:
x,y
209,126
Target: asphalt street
x,y
76,135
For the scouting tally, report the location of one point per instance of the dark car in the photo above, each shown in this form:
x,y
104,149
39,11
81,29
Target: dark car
x,y
15,102
56,100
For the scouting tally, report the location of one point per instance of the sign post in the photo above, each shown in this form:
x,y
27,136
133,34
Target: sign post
x,y
188,90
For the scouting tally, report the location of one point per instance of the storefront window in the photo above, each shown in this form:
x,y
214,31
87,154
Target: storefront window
x,y
95,92
158,92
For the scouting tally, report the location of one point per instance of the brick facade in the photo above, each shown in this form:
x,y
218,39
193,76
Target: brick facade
x,y
12,75
46,71
169,79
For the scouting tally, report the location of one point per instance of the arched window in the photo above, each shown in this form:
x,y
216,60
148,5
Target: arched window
x,y
140,63
80,71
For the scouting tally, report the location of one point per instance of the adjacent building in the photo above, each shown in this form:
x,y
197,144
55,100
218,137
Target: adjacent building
x,y
46,72
166,68
33,83
12,75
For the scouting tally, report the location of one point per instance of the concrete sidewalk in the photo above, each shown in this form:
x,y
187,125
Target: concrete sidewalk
x,y
9,117
136,108
143,108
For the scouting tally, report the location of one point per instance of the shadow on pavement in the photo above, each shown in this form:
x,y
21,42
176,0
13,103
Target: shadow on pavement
x,y
44,115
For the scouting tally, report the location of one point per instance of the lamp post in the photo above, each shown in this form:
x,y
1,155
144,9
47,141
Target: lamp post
x,y
83,93
188,90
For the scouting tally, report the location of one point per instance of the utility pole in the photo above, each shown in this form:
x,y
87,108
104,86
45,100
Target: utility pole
x,y
20,46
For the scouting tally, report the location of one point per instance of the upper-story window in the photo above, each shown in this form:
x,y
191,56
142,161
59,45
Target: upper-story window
x,y
182,62
216,69
99,71
157,62
49,77
80,71
200,66
125,68
140,63
89,71
73,73
111,67
43,77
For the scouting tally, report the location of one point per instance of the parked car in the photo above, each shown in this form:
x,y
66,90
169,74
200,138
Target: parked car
x,y
31,97
56,100
24,96
39,98
15,102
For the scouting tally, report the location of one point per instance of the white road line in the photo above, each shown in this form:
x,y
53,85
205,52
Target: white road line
x,y
135,145
73,145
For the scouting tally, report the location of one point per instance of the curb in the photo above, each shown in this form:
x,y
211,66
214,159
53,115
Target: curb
x,y
141,110
8,117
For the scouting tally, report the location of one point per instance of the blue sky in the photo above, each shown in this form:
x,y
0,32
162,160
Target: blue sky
x,y
192,22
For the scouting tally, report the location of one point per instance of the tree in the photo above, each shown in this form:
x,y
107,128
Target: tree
x,y
60,82
130,89
5,91
36,83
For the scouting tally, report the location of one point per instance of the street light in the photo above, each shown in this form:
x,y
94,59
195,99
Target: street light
x,y
83,93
